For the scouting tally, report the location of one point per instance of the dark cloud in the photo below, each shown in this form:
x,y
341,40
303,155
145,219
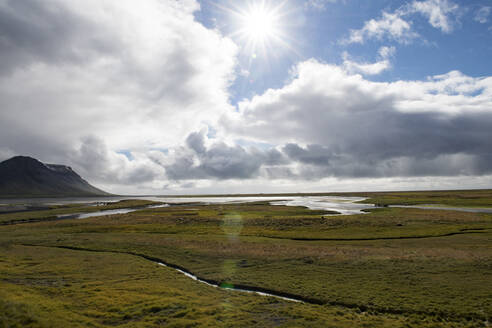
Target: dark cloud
x,y
313,154
196,141
37,32
226,162
272,157
220,161
355,166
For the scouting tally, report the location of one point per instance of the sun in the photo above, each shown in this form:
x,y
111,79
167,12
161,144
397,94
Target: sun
x,y
259,26
260,23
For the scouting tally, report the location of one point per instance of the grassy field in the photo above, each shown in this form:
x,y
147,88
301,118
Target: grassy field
x,y
459,198
392,267
53,211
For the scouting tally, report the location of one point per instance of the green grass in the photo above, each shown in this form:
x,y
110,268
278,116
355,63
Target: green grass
x,y
55,210
392,267
49,287
460,198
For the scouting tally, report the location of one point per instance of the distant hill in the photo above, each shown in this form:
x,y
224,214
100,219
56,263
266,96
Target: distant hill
x,y
23,176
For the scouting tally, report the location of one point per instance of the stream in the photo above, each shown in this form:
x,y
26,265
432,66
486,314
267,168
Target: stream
x,y
244,289
106,212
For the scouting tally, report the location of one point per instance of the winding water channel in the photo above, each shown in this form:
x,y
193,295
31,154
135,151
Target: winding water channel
x,y
245,289
106,212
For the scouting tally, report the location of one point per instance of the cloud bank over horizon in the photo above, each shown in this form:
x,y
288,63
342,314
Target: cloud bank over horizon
x,y
138,99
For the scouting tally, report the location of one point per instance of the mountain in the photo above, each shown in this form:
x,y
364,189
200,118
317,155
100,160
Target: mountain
x,y
23,176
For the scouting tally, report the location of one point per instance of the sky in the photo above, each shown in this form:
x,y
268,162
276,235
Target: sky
x,y
193,97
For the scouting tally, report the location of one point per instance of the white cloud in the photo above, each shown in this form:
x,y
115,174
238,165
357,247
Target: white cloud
x,y
161,73
319,4
137,76
107,168
396,26
438,12
390,25
482,15
365,68
370,68
386,52
339,124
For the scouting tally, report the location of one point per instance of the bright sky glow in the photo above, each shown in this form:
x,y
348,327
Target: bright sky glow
x,y
259,23
259,27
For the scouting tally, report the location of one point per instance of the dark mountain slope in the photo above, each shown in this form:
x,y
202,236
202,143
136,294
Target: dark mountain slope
x,y
23,176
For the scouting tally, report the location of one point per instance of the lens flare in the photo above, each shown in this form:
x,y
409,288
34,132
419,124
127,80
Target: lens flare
x,y
260,27
260,24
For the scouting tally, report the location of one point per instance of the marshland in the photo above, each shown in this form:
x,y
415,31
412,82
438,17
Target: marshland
x,y
385,267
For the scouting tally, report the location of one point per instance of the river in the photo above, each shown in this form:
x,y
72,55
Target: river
x,y
342,205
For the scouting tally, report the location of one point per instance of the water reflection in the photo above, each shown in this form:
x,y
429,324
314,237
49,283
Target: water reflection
x,y
107,212
343,205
